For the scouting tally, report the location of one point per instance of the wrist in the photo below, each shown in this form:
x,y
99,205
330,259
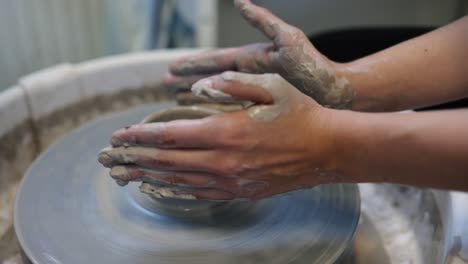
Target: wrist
x,y
348,145
343,86
373,91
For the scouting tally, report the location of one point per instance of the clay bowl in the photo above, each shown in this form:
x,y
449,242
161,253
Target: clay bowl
x,y
176,205
180,112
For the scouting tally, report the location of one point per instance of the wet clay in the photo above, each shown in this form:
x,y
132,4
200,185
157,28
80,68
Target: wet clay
x,y
157,191
203,89
273,83
295,59
153,189
300,64
315,79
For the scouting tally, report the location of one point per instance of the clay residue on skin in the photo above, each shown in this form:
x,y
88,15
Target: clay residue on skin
x,y
186,67
264,113
109,155
204,89
271,82
318,81
127,155
298,61
163,192
120,175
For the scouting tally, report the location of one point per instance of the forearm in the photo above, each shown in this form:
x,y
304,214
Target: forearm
x,y
426,70
422,149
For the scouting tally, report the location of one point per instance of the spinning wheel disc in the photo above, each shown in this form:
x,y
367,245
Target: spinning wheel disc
x,y
68,210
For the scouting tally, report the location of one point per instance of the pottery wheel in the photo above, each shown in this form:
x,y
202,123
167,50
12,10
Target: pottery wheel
x,y
68,210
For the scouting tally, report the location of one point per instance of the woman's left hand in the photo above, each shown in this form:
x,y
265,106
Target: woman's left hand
x,y
280,144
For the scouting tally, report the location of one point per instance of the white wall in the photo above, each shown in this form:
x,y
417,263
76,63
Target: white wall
x,y
36,34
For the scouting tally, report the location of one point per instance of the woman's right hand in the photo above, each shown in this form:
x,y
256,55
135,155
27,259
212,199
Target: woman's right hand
x,y
290,54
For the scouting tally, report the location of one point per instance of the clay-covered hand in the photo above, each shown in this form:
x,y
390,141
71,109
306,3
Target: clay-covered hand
x,y
290,54
279,144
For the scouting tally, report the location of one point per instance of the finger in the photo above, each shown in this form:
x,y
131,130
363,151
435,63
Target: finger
x,y
164,192
181,83
195,133
271,26
232,86
241,187
125,174
186,99
207,62
161,159
191,99
256,58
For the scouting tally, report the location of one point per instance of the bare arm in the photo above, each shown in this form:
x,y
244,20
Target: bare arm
x,y
423,149
423,71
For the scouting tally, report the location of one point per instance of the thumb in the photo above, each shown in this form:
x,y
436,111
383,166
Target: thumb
x,y
232,87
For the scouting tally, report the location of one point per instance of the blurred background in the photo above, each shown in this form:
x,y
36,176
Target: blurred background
x,y
35,34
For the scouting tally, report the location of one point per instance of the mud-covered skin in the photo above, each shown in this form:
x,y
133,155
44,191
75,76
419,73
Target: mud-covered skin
x,y
291,55
246,154
163,192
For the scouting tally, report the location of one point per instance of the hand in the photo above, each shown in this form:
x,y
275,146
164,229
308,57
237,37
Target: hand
x,y
291,55
281,143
